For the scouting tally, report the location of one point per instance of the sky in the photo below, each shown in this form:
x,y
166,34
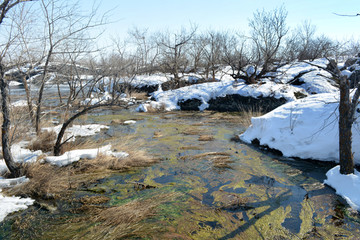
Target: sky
x,y
225,15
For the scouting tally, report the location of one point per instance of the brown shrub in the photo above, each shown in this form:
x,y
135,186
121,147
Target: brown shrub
x,y
44,141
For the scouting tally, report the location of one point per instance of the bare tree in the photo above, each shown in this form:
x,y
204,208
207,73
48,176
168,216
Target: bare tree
x,y
63,27
268,29
196,52
173,52
213,52
236,55
146,52
5,7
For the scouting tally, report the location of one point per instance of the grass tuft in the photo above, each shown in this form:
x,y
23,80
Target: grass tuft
x,y
44,141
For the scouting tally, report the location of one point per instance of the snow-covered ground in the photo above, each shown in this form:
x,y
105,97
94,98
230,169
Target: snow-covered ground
x,y
309,79
308,129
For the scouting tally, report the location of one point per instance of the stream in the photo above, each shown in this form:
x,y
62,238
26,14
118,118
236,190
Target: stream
x,y
206,185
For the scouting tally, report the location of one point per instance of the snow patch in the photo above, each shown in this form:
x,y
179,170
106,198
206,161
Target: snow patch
x,y
12,204
347,186
75,155
78,130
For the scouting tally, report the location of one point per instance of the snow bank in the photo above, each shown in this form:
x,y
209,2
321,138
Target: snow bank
x,y
12,204
78,130
75,155
206,91
347,186
312,79
306,128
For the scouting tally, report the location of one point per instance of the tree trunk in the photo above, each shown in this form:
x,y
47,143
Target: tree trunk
x,y
5,128
59,143
28,99
345,124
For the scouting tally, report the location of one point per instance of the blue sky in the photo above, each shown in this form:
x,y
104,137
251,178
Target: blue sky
x,y
227,14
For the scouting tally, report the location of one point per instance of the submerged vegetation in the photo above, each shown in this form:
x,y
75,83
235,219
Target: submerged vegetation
x,y
216,189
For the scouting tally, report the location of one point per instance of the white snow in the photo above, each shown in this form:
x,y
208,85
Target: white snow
x,y
347,186
306,128
19,103
97,100
10,182
315,80
20,155
12,204
78,130
129,122
207,91
146,80
14,83
75,155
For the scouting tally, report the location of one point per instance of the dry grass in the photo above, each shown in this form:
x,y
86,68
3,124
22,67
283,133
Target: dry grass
x,y
218,159
151,109
191,148
44,141
192,131
129,213
47,181
206,138
94,200
221,161
246,116
210,154
140,95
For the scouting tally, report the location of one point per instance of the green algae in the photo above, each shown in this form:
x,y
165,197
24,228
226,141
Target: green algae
x,y
259,197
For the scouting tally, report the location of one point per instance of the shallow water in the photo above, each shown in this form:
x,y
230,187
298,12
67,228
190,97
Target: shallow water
x,y
221,189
